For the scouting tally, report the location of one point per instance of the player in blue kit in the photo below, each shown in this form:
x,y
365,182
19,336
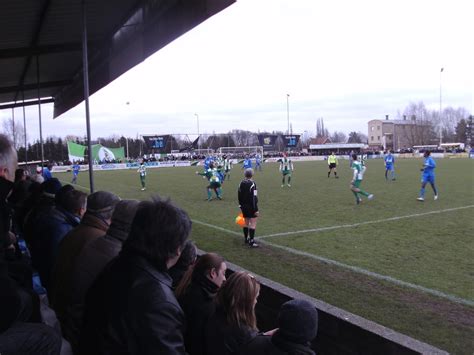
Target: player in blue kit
x,y
207,162
247,163
258,162
428,176
75,171
389,166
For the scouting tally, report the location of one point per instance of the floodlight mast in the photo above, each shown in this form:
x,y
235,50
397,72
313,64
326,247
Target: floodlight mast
x,y
199,143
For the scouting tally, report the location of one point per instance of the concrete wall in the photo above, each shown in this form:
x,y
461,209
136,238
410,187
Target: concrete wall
x,y
339,332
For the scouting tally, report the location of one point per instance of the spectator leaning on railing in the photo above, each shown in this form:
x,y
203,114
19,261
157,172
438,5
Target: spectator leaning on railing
x,y
234,323
298,326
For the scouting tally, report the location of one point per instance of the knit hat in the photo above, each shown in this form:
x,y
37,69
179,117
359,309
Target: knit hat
x,y
298,321
122,219
101,201
51,186
59,198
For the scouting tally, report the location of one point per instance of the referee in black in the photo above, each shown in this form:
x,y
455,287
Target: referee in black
x,y
248,202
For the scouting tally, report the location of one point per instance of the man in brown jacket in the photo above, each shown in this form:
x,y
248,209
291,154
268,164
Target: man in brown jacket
x,y
94,224
91,261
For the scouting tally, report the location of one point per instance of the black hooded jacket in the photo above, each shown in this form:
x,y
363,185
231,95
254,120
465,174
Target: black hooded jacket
x,y
198,306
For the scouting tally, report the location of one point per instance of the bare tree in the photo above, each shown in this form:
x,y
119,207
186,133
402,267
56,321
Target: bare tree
x,y
320,130
354,137
338,137
419,128
16,131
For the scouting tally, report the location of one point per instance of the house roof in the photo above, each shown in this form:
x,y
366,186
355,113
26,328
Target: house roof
x,y
320,140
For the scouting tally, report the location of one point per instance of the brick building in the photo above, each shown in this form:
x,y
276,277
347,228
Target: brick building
x,y
397,134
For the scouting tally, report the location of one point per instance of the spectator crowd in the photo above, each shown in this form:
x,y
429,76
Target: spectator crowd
x,y
96,274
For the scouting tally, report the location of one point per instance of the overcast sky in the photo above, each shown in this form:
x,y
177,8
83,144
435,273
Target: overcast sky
x,y
346,61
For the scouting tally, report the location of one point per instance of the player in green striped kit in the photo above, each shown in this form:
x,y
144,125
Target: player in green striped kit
x,y
286,168
227,167
142,171
359,170
213,176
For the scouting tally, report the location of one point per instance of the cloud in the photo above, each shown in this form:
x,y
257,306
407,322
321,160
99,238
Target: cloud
x,y
345,61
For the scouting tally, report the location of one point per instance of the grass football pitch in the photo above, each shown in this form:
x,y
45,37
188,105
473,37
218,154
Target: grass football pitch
x,y
402,263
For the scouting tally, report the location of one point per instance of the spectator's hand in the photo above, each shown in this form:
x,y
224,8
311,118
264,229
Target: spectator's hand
x,y
257,214
271,332
11,238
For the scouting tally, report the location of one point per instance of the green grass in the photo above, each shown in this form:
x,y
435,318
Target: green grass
x,y
435,251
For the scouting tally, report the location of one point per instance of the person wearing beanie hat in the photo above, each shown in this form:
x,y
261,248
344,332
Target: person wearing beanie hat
x,y
91,261
298,326
51,186
94,224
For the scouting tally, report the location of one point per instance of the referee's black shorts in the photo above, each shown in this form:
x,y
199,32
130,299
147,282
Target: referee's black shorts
x,y
248,211
332,165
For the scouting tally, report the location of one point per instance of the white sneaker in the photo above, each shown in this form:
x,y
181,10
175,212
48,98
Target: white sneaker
x,y
370,197
282,185
420,199
288,185
435,197
253,245
143,189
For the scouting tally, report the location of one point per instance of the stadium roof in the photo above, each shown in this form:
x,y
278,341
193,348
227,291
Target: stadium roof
x,y
121,34
338,146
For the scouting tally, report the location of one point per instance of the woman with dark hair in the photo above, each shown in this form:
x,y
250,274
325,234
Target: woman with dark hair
x,y
234,323
196,293
185,262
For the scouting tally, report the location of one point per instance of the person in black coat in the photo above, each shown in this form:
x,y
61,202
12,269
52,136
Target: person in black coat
x,y
17,335
248,203
234,323
131,307
298,326
196,293
185,263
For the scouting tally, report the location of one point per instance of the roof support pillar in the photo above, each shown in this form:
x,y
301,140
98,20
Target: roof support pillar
x,y
39,111
24,130
85,66
13,128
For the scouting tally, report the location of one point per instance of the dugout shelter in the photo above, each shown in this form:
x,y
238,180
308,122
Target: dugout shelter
x,y
62,51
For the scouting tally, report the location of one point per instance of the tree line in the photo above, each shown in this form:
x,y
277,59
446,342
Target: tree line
x,y
454,125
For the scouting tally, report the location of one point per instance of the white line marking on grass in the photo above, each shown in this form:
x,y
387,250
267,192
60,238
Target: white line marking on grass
x,y
353,268
350,267
217,227
322,229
